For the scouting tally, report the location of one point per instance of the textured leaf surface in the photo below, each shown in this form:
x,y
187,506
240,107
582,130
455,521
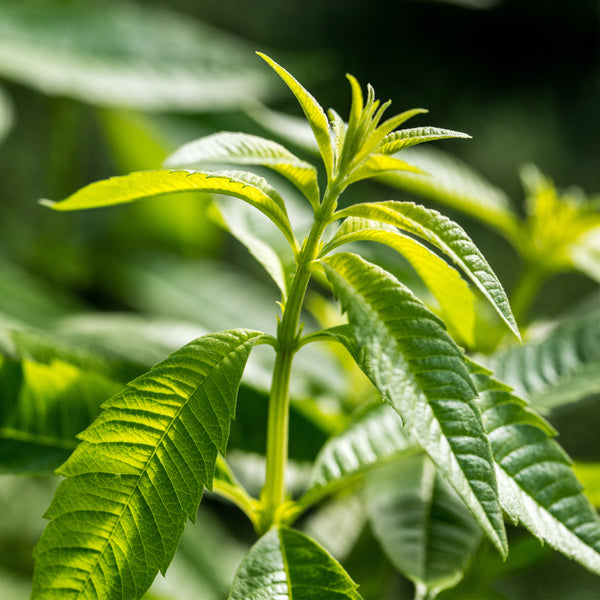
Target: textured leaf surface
x,y
245,149
377,164
423,527
560,368
457,185
456,300
313,111
399,140
139,472
287,565
446,235
536,482
120,54
145,184
416,367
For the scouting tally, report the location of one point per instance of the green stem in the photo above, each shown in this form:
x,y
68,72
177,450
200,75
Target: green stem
x,y
288,334
530,280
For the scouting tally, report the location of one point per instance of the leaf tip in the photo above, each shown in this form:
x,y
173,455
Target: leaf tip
x,y
47,202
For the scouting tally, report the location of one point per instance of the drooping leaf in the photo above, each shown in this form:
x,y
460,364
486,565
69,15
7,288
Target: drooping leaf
x,y
416,367
145,184
456,300
423,527
536,482
562,367
399,140
313,111
287,565
457,185
42,409
245,149
120,54
446,235
139,473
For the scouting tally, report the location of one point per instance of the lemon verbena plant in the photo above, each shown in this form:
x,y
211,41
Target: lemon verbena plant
x,y
471,448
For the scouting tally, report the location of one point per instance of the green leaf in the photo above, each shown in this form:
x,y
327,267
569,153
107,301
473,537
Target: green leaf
x,y
536,482
399,140
246,149
376,164
446,235
139,473
416,367
6,114
313,111
561,367
425,530
457,185
287,565
42,409
145,184
121,54
456,300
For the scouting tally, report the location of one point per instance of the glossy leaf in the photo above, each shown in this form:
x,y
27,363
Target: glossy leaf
x,y
423,527
561,367
446,235
315,115
145,184
124,55
139,472
399,140
287,565
245,149
457,302
536,482
416,367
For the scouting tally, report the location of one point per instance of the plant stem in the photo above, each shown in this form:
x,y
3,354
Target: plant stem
x,y
530,280
288,333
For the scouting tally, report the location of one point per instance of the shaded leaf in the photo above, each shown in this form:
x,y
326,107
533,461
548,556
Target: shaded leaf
x,y
536,482
562,367
315,115
422,525
145,184
6,114
287,565
245,149
139,472
416,367
446,235
121,54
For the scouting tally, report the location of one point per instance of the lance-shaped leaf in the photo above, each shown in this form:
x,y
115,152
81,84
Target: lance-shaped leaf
x,y
145,184
398,140
377,164
456,300
536,482
562,367
423,527
245,149
312,109
446,235
287,565
416,367
139,472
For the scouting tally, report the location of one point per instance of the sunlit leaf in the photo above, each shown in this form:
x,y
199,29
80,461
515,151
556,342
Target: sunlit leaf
x,y
456,300
121,54
425,530
139,472
446,235
287,565
562,367
145,184
246,149
536,482
315,115
377,164
416,367
399,140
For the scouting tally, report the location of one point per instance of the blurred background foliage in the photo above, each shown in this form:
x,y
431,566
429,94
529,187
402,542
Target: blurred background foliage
x,y
94,89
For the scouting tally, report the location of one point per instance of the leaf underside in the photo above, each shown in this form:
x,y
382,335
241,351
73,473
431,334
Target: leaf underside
x,y
536,482
416,367
287,565
139,473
